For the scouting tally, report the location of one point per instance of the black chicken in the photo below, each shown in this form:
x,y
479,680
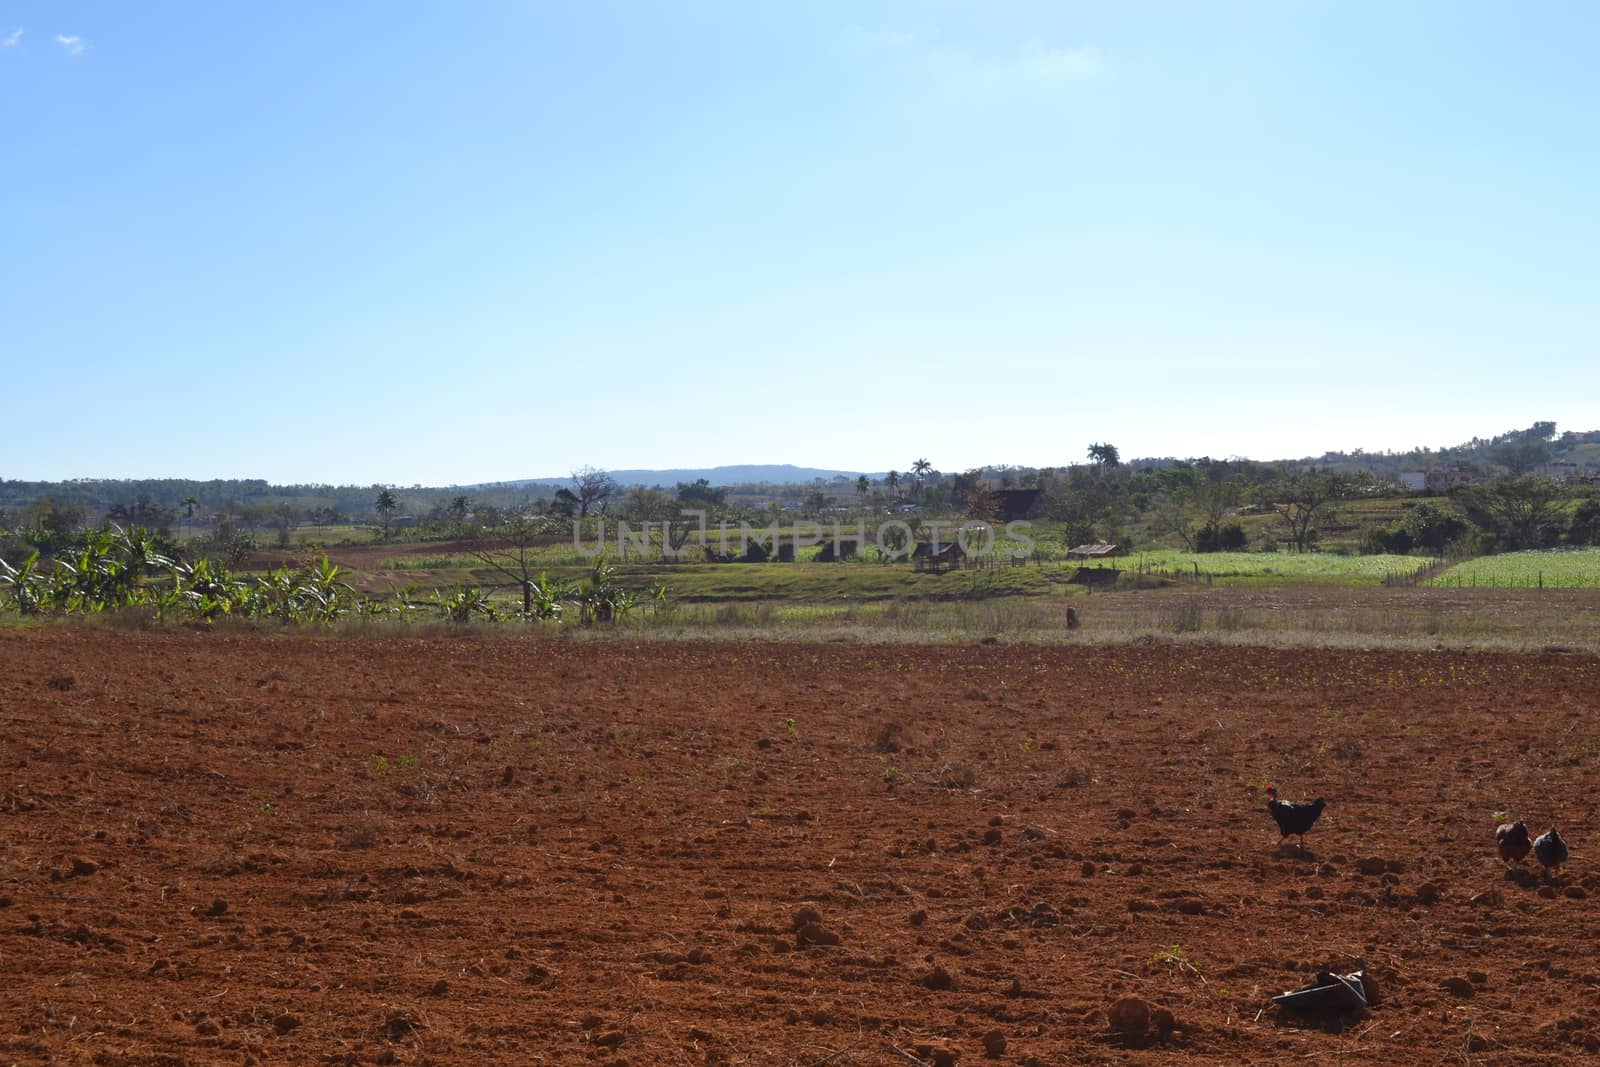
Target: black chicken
x,y
1294,818
1549,849
1512,840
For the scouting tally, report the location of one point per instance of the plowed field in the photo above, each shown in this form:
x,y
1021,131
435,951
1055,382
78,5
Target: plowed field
x,y
296,849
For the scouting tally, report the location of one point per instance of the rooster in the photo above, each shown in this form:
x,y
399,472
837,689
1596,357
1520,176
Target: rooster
x,y
1550,850
1512,840
1294,818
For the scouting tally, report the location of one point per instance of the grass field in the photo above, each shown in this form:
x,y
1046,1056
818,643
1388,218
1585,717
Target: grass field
x,y
1321,568
1554,568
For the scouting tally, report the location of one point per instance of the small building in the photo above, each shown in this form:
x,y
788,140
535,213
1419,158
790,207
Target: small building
x,y
1098,550
947,557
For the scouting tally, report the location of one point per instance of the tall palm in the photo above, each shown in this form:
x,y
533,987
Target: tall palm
x,y
863,486
893,482
189,504
385,506
1104,455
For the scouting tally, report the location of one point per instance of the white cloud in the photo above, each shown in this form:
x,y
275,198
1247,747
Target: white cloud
x,y
71,42
1031,68
10,41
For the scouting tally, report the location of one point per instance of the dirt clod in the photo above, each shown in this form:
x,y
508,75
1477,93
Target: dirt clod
x,y
1129,1015
815,934
994,1044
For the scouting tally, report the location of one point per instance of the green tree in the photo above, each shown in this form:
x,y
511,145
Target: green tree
x,y
1104,455
385,505
1172,511
1432,528
1585,526
1518,512
1303,499
701,494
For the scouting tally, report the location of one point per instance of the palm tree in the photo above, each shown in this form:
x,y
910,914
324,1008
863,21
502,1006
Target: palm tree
x,y
893,482
385,506
863,486
189,504
1104,455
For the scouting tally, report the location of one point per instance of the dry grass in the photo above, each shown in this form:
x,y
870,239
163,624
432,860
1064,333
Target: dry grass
x,y
1514,620
1398,618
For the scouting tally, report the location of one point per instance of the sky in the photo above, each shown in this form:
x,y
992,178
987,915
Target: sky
x,y
408,243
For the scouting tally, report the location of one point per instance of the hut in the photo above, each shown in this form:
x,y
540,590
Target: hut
x,y
926,557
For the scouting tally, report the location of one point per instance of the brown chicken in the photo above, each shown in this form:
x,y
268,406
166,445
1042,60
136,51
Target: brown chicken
x,y
1513,841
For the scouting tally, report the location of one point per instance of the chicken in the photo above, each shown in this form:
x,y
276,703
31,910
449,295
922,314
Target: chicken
x,y
1549,849
1294,818
1512,840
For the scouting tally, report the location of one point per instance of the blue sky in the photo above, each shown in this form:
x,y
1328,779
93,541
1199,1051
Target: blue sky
x,y
422,243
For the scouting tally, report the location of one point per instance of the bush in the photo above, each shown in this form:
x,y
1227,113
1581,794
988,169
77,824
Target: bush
x,y
1379,541
1585,526
1229,537
1433,529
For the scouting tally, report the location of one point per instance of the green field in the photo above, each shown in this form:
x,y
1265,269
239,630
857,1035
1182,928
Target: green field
x,y
1558,568
1323,568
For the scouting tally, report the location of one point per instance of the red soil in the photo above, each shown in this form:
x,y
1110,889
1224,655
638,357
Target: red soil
x,y
290,849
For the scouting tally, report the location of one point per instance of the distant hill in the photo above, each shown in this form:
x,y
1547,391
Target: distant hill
x,y
738,474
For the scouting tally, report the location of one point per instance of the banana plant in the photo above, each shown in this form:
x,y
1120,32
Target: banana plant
x,y
600,598
462,604
24,586
547,597
324,592
208,590
273,596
